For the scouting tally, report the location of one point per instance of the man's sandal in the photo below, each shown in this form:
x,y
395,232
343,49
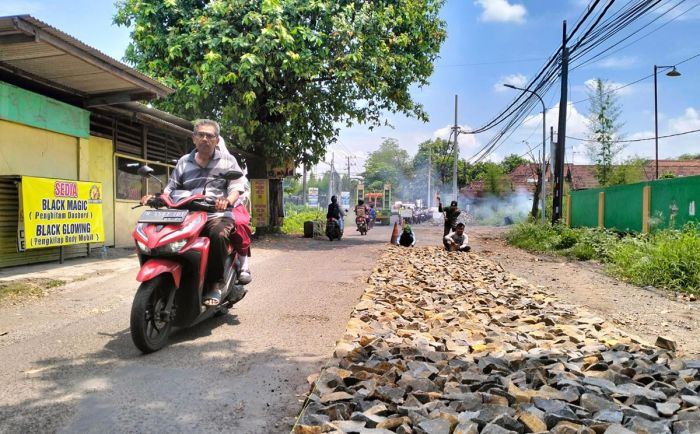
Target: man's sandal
x,y
212,298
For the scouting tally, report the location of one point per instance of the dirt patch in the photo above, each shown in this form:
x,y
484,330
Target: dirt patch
x,y
647,312
20,290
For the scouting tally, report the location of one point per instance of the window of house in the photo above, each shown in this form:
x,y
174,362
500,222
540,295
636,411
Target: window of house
x,y
131,186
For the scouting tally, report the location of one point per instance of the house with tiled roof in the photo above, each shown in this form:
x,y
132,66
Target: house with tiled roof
x,y
581,176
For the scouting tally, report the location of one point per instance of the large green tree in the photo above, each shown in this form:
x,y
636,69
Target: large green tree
x,y
439,153
511,162
283,75
389,164
604,129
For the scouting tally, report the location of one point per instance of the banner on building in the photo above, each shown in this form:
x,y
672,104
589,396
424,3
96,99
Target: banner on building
x,y
313,196
57,212
345,199
260,200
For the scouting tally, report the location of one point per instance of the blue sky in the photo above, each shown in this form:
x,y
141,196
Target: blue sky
x,y
491,42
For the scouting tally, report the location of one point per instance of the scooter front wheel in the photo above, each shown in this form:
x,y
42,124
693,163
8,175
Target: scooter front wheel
x,y
150,325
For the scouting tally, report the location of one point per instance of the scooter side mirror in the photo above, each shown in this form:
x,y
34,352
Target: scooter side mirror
x,y
232,175
145,171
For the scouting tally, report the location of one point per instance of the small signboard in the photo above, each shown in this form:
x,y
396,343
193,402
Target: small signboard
x,y
345,199
59,212
260,202
313,196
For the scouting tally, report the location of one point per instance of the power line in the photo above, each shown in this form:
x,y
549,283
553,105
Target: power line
x,y
594,34
598,56
495,62
640,79
637,140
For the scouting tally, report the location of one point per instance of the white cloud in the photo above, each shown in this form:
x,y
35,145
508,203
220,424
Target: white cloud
x,y
517,80
502,11
468,143
610,85
690,120
19,7
617,62
670,147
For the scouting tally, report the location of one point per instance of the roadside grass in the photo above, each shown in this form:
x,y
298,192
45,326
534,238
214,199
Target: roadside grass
x,y
296,216
27,288
668,259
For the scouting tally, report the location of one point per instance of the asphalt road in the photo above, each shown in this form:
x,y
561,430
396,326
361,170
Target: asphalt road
x,y
67,363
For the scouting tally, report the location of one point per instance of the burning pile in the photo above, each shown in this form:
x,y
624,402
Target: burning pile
x,y
450,343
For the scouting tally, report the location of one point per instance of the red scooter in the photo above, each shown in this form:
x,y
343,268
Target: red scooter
x,y
173,257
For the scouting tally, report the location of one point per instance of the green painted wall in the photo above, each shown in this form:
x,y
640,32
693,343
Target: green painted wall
x,y
28,108
623,207
584,208
674,202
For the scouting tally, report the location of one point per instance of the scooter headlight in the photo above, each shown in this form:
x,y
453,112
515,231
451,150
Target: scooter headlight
x,y
142,247
173,247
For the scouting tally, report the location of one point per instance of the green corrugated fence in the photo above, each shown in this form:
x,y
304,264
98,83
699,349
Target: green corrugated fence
x,y
671,204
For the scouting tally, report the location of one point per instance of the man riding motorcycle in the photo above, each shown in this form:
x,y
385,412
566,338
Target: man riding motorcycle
x,y
191,173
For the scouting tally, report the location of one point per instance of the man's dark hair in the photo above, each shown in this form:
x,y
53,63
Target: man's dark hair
x,y
453,203
459,225
334,199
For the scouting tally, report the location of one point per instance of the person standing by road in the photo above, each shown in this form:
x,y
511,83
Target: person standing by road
x,y
451,214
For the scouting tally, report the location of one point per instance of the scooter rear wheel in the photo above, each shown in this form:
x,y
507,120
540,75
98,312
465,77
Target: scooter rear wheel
x,y
149,330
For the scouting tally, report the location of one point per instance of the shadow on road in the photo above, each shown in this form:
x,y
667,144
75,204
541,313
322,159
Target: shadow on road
x,y
180,388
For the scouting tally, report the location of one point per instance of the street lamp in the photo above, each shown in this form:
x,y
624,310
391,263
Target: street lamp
x,y
672,73
544,143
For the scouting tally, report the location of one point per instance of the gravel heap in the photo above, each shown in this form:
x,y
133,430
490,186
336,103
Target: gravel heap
x,y
445,342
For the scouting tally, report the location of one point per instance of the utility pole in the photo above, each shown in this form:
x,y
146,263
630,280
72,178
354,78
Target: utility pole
x,y
330,182
455,154
430,174
561,132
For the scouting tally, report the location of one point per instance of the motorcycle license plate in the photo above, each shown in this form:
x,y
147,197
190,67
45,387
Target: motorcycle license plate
x,y
165,216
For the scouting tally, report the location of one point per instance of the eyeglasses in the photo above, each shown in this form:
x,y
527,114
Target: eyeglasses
x,y
203,135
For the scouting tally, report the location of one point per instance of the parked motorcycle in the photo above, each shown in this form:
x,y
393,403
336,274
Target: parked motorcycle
x,y
333,231
173,257
361,223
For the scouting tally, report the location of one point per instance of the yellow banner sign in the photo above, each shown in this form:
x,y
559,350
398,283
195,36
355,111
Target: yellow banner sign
x,y
58,212
259,198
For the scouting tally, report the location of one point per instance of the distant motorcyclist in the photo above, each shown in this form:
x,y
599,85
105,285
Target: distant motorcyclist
x,y
361,213
336,211
372,216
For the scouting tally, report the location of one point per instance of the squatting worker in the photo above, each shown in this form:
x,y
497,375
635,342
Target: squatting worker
x,y
457,240
451,214
407,238
192,171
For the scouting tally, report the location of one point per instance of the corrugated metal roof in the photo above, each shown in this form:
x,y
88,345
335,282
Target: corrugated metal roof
x,y
40,52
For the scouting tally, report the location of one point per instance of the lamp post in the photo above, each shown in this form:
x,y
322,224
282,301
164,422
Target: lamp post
x,y
544,142
672,73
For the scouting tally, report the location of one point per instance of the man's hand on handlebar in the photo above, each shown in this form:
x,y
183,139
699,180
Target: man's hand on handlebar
x,y
146,198
153,201
221,203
